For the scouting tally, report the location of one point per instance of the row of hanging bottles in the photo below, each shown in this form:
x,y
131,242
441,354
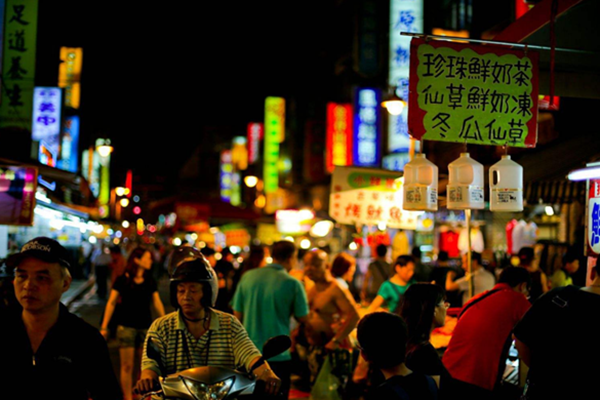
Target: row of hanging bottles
x,y
465,185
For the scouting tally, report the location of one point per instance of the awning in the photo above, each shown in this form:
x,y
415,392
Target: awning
x,y
577,74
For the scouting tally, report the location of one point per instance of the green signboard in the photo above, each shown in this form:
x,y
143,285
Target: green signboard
x,y
473,94
274,126
18,64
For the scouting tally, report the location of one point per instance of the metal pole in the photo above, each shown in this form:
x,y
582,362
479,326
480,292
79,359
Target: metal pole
x,y
511,44
469,270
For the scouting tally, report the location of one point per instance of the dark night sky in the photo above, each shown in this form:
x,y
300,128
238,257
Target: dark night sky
x,y
155,74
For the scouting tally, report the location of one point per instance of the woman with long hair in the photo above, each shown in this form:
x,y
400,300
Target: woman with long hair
x,y
135,291
424,309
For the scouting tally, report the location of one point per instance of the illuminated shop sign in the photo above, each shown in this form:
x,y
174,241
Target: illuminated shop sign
x,y
69,74
68,159
292,222
255,135
339,135
405,16
274,134
226,175
17,195
367,136
47,103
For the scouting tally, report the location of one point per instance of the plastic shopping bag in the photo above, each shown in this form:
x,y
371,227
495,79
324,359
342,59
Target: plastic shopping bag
x,y
327,386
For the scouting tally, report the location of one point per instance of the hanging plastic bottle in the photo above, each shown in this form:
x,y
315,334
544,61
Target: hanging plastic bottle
x,y
506,186
420,185
465,184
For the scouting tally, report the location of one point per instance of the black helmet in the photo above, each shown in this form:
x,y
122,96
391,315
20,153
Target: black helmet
x,y
187,264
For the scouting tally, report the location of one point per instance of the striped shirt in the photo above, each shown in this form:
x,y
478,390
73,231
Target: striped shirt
x,y
225,344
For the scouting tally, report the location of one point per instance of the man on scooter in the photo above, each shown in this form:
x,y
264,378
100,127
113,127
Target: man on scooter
x,y
196,334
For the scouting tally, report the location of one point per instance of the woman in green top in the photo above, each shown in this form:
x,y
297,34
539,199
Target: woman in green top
x,y
392,290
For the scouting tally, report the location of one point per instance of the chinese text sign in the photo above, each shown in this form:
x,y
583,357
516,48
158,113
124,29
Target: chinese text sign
x,y
367,133
473,94
18,68
226,175
593,223
45,127
274,133
69,74
255,135
339,135
369,197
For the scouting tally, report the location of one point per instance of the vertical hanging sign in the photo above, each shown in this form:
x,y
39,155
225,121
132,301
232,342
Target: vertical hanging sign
x,y
339,135
69,144
69,74
255,135
226,175
18,68
274,134
405,16
366,136
45,128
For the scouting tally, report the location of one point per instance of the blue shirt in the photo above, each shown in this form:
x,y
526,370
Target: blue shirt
x,y
267,297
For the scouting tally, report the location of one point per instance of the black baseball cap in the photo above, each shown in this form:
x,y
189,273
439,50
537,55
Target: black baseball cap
x,y
42,248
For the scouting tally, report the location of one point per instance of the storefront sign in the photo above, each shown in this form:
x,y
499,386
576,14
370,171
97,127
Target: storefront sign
x,y
396,161
405,16
473,94
367,133
593,222
226,175
69,74
90,169
267,233
339,135
274,134
17,195
255,135
369,197
68,159
45,127
18,68
294,222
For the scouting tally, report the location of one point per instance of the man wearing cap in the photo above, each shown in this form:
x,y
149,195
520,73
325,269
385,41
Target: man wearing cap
x,y
47,351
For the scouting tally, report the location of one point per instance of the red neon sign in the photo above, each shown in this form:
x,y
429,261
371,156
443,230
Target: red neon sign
x,y
339,135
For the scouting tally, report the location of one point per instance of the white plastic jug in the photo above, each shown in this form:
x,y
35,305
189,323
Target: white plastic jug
x,y
420,185
465,184
506,186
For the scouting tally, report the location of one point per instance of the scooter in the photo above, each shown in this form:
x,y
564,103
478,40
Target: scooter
x,y
212,383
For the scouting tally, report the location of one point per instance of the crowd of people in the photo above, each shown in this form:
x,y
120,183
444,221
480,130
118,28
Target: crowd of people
x,y
226,311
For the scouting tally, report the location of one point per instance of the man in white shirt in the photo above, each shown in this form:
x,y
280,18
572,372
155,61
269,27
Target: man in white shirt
x,y
482,279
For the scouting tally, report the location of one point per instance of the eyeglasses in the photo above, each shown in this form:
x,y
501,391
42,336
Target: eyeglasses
x,y
444,304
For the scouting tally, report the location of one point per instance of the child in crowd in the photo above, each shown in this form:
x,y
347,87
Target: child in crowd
x,y
382,337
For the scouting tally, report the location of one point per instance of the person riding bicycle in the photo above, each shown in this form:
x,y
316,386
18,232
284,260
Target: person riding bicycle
x,y
196,334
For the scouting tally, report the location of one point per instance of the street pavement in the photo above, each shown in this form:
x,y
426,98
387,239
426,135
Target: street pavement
x,y
81,299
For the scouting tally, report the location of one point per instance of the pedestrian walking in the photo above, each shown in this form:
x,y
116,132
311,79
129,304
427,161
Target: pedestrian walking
x,y
135,292
265,300
48,352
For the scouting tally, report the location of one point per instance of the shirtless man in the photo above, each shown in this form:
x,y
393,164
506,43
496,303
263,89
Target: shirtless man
x,y
330,305
333,313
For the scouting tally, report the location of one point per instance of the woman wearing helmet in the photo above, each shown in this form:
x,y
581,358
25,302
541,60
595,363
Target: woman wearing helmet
x,y
196,334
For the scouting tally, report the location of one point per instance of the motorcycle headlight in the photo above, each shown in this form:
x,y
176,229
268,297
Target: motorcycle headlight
x,y
202,391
